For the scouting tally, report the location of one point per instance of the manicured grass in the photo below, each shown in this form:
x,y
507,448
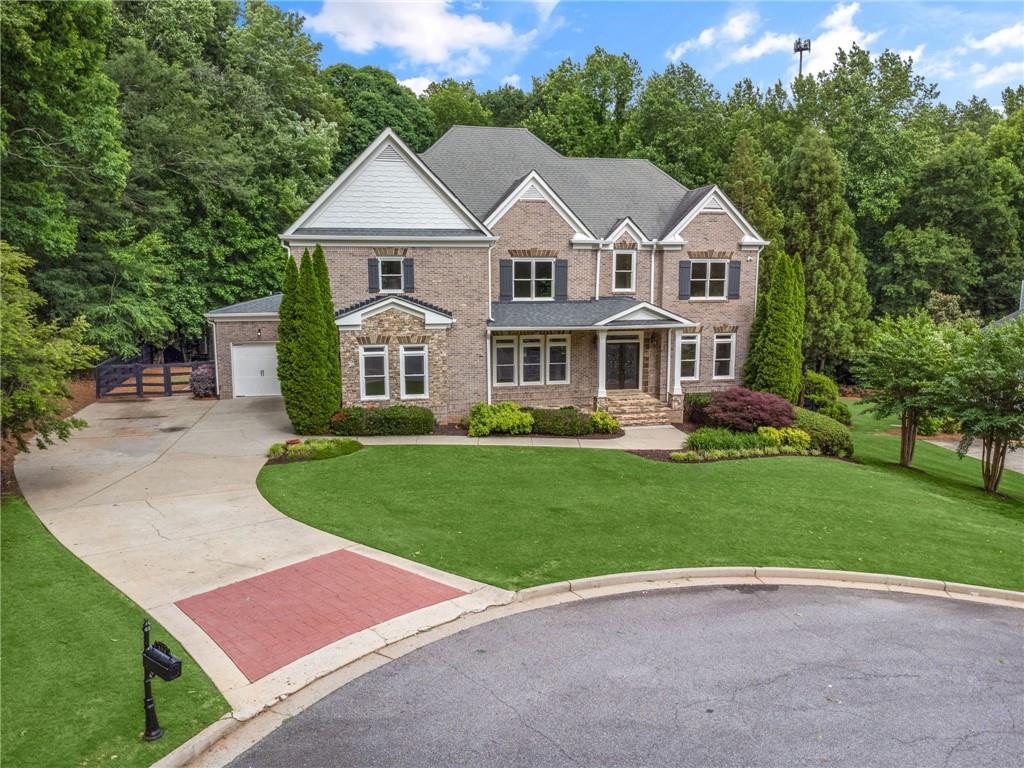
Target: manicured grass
x,y
71,669
517,517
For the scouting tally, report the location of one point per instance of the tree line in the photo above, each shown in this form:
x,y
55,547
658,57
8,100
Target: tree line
x,y
152,152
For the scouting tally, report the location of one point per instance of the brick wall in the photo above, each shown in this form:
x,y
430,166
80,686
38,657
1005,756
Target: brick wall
x,y
238,332
581,389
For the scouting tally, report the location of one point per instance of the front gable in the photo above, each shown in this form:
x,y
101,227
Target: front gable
x,y
387,188
644,313
431,316
533,188
715,202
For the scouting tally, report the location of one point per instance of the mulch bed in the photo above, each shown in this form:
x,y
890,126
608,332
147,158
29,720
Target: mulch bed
x,y
83,392
459,431
655,455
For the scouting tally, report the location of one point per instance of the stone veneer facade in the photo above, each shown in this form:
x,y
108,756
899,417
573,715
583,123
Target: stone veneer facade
x,y
456,280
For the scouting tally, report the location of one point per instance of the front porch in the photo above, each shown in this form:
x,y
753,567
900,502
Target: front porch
x,y
610,354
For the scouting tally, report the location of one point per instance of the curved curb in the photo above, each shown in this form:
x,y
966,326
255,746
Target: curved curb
x,y
224,740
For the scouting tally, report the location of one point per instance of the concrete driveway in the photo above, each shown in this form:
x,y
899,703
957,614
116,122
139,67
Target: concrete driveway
x,y
159,496
733,676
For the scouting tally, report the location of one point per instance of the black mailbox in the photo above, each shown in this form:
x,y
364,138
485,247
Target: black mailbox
x,y
158,660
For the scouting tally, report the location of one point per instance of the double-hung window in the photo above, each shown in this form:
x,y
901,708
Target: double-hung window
x,y
689,357
531,360
625,272
531,356
533,279
414,372
708,279
373,373
558,360
725,355
391,277
505,361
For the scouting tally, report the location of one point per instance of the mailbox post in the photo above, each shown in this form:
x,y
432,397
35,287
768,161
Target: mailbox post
x,y
158,661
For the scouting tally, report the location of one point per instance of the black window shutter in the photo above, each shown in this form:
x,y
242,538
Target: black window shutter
x,y
505,280
561,279
684,279
373,272
734,279
409,276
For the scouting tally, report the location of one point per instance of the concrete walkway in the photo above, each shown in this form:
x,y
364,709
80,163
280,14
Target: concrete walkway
x,y
159,496
658,438
1014,459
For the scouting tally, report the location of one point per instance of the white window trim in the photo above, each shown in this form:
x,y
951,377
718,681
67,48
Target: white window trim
x,y
401,273
415,350
685,338
558,341
707,282
363,354
522,360
732,356
515,363
533,280
632,271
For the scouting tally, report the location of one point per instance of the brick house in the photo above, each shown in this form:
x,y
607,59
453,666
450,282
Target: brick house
x,y
492,268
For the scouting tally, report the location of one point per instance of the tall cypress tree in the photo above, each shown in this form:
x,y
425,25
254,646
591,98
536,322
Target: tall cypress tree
x,y
311,395
286,331
775,362
819,227
332,337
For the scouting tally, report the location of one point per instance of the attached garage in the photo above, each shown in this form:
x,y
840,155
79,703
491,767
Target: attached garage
x,y
254,370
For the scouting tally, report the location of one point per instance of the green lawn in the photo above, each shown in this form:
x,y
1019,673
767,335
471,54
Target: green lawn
x,y
517,517
70,666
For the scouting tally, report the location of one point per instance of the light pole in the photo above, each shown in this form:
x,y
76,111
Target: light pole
x,y
800,46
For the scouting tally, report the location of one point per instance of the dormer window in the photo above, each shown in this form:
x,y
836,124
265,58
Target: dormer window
x,y
625,272
533,279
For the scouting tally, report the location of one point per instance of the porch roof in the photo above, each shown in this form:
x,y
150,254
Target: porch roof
x,y
606,313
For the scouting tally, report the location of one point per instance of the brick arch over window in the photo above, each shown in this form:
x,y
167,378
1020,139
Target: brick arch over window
x,y
532,253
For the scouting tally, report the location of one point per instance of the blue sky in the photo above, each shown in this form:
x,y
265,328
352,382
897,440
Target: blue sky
x,y
966,48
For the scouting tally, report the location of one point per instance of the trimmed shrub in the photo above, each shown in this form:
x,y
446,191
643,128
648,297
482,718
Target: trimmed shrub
x,y
928,425
203,380
502,418
707,439
827,435
837,410
694,457
314,448
694,404
744,410
604,422
569,421
819,388
787,437
390,420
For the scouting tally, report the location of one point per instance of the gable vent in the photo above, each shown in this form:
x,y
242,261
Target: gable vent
x,y
390,154
714,204
532,193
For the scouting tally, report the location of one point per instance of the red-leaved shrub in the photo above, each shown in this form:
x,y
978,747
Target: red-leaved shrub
x,y
744,410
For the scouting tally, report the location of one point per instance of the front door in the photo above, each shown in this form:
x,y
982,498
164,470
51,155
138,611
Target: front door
x,y
622,370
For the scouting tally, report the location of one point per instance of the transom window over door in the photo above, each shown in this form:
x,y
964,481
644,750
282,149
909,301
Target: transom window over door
x,y
708,279
625,272
533,279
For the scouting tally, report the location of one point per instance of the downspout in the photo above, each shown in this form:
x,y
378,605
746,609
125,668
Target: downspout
x,y
488,342
597,273
490,290
654,247
757,278
216,364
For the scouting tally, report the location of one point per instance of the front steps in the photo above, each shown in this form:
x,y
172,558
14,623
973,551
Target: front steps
x,y
634,408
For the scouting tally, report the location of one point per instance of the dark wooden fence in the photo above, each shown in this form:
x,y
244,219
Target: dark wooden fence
x,y
121,379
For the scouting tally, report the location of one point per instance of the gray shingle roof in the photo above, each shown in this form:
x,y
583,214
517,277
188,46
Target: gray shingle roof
x,y
266,304
381,232
384,297
482,165
563,314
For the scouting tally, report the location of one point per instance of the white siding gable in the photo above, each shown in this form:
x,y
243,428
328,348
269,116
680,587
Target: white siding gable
x,y
388,193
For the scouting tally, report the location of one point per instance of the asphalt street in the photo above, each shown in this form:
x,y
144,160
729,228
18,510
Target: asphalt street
x,y
714,676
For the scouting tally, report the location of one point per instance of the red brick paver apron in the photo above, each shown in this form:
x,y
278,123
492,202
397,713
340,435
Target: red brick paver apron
x,y
270,620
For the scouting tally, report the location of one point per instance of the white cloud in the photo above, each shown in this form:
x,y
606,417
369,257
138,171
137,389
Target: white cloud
x,y
511,80
423,32
769,42
736,27
840,31
1001,39
912,53
417,84
1007,73
545,8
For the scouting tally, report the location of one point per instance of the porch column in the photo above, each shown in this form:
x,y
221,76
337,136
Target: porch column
x,y
602,343
677,370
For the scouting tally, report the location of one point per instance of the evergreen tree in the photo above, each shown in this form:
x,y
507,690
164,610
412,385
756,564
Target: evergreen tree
x,y
311,397
286,333
775,363
333,339
819,227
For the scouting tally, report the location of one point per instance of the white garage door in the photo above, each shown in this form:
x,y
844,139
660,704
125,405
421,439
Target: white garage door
x,y
254,370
